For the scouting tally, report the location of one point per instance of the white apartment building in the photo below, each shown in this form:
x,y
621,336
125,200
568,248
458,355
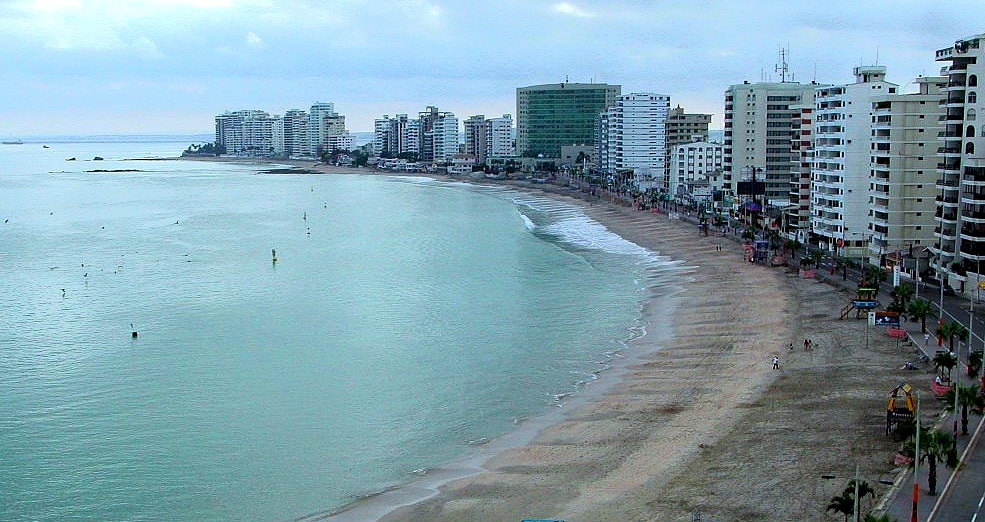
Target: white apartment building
x,y
694,162
324,123
903,161
797,215
499,138
840,174
245,132
395,136
758,119
634,134
488,139
296,133
960,247
444,137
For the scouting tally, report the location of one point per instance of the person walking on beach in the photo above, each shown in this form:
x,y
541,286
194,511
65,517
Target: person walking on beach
x,y
776,363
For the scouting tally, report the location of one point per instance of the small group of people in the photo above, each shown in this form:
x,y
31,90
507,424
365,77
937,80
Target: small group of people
x,y
808,345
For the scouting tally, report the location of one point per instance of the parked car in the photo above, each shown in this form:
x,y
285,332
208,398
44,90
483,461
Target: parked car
x,y
948,290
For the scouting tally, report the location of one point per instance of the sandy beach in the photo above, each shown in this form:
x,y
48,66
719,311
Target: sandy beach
x,y
702,423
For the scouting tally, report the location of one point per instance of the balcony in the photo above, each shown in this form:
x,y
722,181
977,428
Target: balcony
x,y
952,165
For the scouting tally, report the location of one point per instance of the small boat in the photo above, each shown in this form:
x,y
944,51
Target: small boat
x,y
13,142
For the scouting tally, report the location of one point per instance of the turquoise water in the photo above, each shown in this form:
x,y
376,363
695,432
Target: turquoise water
x,y
403,320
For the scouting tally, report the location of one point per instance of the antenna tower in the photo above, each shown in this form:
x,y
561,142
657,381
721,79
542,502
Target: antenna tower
x,y
783,67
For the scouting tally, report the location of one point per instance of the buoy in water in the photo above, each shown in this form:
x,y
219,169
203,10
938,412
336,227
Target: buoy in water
x,y
133,333
273,255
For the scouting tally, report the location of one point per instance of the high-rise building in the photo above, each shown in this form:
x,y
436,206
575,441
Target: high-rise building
x,y
395,136
246,132
296,133
499,138
840,174
326,128
758,118
552,115
683,128
960,232
904,130
488,139
797,216
632,136
438,132
476,129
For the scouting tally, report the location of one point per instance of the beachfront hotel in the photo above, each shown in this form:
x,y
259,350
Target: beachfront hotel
x,y
632,136
960,232
554,115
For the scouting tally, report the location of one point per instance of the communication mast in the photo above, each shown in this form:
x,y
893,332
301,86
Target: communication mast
x,y
783,67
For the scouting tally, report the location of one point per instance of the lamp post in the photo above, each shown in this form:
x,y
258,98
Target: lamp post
x,y
916,466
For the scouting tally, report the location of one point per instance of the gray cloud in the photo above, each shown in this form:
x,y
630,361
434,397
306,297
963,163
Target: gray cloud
x,y
195,58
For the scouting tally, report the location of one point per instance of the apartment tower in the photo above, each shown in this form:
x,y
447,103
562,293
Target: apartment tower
x,y
960,247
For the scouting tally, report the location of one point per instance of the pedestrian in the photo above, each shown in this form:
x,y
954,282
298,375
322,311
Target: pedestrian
x,y
807,344
926,338
776,363
790,346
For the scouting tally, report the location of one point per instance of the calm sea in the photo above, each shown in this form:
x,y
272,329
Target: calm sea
x,y
405,321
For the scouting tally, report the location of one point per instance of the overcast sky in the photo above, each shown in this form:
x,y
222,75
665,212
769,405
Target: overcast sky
x,y
169,66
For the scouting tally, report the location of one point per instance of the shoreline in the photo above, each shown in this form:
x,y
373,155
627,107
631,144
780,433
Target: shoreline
x,y
702,425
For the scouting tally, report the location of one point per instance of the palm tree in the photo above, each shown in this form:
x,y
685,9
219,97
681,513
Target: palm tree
x,y
902,293
843,503
950,330
944,361
968,397
935,445
920,309
974,363
873,276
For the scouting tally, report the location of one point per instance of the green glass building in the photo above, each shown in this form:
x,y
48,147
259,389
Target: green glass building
x,y
559,114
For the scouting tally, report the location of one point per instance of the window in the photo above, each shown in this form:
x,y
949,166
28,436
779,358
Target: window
x,y
970,133
972,81
969,148
972,97
970,115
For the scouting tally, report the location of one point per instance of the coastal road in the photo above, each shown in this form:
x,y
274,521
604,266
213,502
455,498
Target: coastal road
x,y
965,500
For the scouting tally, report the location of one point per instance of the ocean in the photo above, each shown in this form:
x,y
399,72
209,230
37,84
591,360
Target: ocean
x,y
405,323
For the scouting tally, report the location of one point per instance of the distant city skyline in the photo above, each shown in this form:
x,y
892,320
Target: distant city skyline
x,y
169,66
